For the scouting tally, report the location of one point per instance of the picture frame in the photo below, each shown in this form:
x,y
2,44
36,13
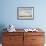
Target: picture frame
x,y
25,13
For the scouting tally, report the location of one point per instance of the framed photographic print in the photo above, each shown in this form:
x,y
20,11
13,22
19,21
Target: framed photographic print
x,y
25,13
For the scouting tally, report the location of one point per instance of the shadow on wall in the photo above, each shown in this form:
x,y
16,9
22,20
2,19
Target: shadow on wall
x,y
2,26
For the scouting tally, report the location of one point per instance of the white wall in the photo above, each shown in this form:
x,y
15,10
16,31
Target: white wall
x,y
9,13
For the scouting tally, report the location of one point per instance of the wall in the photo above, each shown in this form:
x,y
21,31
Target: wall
x,y
8,13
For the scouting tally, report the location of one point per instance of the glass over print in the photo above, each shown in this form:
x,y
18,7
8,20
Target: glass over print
x,y
25,13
